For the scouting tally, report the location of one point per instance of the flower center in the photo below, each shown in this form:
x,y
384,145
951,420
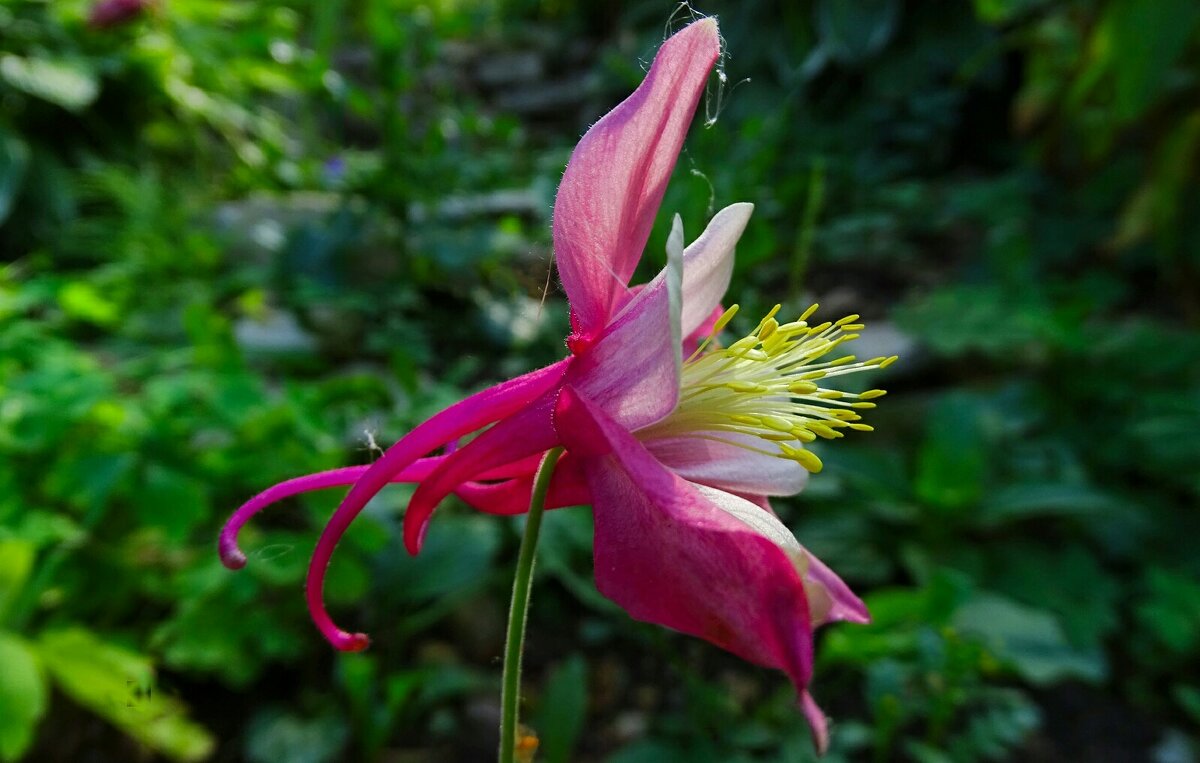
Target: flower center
x,y
769,384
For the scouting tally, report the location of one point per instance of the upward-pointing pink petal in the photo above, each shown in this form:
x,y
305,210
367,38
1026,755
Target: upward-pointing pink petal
x,y
614,182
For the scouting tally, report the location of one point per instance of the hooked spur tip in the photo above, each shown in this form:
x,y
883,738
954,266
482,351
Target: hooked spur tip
x,y
231,556
349,642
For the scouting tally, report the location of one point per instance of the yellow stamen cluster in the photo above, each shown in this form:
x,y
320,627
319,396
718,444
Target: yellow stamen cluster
x,y
768,384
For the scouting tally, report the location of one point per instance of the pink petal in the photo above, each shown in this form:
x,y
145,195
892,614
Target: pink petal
x,y
632,370
844,605
668,555
232,556
567,488
520,471
459,419
616,177
523,434
699,457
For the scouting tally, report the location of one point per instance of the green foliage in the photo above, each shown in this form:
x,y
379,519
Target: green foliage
x,y
244,241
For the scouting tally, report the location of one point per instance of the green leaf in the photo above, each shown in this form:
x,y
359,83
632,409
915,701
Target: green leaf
x,y
1022,501
952,462
562,709
16,562
118,685
1171,612
84,302
69,84
456,557
172,500
1030,640
14,161
1140,40
853,30
22,695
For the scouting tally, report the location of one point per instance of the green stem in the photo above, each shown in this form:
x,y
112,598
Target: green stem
x,y
518,611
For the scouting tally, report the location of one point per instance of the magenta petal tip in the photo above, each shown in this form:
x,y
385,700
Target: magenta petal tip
x,y
349,642
231,556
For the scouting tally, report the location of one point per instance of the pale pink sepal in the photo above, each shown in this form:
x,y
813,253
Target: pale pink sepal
x,y
615,179
708,265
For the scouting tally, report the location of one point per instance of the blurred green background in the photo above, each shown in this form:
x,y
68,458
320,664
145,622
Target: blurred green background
x,y
241,241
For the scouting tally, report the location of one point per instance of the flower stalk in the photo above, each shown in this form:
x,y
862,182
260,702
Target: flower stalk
x,y
518,611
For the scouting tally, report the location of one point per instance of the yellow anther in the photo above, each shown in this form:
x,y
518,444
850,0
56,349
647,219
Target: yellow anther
x,y
888,361
742,345
854,327
803,435
862,405
819,327
805,458
745,386
862,427
776,436
802,387
725,318
792,327
831,394
808,313
871,394
769,327
778,423
848,319
842,360
820,430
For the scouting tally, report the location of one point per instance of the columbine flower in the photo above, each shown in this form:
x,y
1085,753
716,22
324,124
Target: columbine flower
x,y
677,457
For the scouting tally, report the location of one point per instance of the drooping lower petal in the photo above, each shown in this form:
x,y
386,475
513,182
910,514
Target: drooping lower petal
x,y
462,418
615,180
668,555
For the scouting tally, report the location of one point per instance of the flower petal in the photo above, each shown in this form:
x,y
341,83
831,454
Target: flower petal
x,y
632,371
233,557
478,495
521,435
714,458
614,182
463,417
567,488
708,265
668,555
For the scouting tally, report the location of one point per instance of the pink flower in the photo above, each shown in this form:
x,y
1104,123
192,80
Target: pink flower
x,y
677,457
